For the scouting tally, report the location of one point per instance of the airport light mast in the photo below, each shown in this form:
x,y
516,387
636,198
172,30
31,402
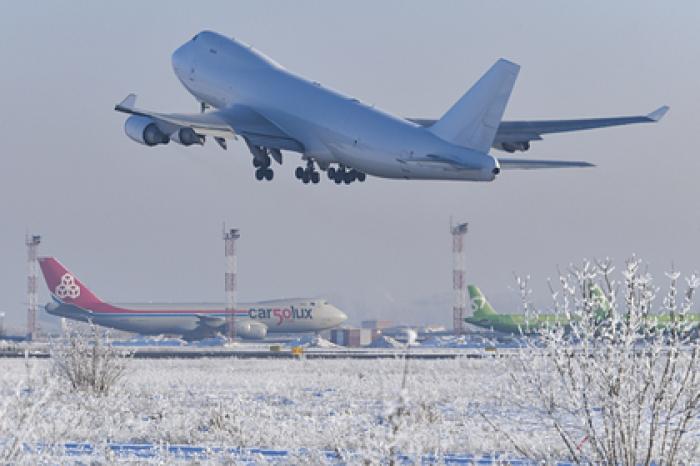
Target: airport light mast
x,y
459,285
32,242
230,279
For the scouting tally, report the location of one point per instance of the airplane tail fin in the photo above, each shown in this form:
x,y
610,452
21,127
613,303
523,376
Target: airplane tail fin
x,y
474,120
480,305
602,305
64,286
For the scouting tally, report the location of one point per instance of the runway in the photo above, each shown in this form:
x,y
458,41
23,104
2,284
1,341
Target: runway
x,y
284,353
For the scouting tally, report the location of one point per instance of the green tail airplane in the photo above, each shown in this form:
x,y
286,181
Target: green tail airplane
x,y
486,317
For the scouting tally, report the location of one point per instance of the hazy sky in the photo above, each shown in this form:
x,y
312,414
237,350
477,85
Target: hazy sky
x,y
139,223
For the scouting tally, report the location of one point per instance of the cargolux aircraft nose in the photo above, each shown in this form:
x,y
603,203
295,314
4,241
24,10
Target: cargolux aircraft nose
x,y
339,316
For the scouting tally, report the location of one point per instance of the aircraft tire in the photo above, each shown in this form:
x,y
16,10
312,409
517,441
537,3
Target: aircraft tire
x,y
315,177
361,177
331,173
299,173
269,174
259,174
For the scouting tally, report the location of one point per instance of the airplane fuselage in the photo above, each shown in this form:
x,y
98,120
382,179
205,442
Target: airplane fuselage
x,y
332,128
279,316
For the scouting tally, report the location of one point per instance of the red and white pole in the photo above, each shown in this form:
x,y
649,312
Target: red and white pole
x,y
230,280
459,285
32,242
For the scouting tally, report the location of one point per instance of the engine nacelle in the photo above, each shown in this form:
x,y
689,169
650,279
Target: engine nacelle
x,y
144,130
251,330
513,146
186,137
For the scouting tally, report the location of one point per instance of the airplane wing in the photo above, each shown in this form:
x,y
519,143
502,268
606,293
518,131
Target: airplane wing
x,y
516,135
226,124
210,321
528,164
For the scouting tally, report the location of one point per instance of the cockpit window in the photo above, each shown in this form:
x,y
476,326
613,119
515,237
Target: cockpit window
x,y
195,38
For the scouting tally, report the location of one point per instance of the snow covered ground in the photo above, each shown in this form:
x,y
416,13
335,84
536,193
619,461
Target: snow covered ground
x,y
306,408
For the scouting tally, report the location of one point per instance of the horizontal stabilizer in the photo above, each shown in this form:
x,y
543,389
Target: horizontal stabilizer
x,y
529,164
446,159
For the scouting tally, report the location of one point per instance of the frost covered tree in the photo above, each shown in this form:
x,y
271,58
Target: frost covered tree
x,y
612,377
87,361
22,409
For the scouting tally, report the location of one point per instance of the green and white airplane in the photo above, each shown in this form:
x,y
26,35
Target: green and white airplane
x,y
486,317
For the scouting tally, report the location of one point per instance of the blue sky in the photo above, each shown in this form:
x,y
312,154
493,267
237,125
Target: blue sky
x,y
140,223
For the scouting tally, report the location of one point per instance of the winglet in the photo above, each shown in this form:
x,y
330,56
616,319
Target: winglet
x,y
126,105
658,114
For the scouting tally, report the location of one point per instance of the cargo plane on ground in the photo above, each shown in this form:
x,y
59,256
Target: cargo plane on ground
x,y
272,109
73,300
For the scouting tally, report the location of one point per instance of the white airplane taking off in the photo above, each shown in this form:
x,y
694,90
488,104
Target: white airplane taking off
x,y
272,109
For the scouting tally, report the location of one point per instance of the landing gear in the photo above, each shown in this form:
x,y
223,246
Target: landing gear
x,y
309,174
343,175
263,172
261,162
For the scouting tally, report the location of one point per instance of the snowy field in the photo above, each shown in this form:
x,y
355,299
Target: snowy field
x,y
314,411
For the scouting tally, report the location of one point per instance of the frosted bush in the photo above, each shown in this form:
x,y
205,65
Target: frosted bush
x,y
87,361
613,378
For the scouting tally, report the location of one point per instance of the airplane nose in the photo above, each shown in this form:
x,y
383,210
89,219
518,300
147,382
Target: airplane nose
x,y
181,59
340,316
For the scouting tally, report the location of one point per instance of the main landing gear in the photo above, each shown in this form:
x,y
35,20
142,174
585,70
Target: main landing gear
x,y
309,174
343,175
262,160
263,172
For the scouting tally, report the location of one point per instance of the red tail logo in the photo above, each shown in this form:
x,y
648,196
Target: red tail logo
x,y
67,288
64,285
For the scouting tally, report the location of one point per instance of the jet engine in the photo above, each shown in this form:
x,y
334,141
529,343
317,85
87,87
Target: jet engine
x,y
517,145
251,330
144,130
186,137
